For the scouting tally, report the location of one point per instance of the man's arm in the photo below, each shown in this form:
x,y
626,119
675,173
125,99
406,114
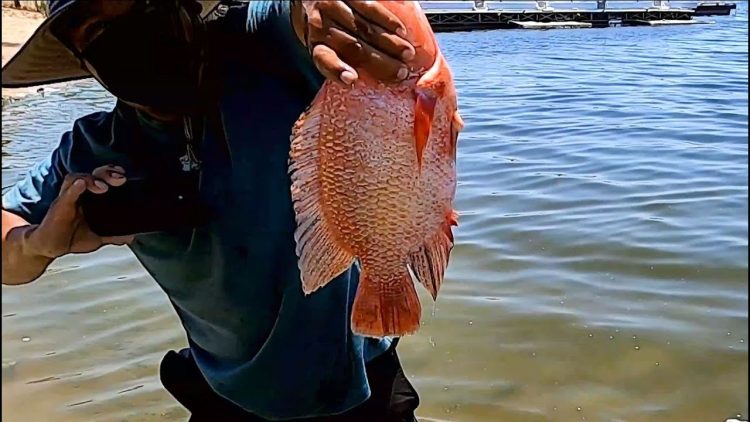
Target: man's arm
x,y
41,217
24,206
20,264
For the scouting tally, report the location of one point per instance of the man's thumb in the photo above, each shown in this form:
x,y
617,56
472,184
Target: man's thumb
x,y
74,191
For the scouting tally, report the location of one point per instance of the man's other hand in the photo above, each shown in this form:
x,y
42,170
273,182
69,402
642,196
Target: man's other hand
x,y
64,229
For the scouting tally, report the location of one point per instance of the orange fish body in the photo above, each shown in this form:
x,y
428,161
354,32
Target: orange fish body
x,y
373,170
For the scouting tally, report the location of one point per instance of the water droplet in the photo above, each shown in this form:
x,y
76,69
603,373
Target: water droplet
x,y
26,339
637,347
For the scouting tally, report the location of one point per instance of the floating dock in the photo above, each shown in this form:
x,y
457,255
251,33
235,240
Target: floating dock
x,y
714,9
544,16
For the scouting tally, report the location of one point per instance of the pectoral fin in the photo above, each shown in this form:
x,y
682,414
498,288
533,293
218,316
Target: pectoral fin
x,y
423,115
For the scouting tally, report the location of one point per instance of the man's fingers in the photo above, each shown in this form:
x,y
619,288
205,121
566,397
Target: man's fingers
x,y
331,66
384,40
379,15
312,11
348,44
361,54
91,183
111,175
98,182
71,189
344,35
339,13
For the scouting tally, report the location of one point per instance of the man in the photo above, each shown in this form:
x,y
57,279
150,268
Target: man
x,y
206,103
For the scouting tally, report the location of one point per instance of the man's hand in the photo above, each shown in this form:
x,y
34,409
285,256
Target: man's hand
x,y
342,35
64,229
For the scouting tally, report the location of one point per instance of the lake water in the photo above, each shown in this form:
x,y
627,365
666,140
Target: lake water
x,y
600,271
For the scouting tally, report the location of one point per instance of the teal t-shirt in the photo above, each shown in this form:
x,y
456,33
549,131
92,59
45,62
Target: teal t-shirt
x,y
234,283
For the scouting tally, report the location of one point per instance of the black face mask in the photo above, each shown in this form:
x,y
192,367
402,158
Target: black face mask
x,y
152,58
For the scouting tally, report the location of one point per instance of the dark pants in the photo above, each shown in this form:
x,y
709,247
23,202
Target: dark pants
x,y
393,398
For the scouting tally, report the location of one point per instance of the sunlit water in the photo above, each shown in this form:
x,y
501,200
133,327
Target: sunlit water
x,y
600,271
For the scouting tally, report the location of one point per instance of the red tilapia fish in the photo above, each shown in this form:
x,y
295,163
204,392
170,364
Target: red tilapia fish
x,y
373,170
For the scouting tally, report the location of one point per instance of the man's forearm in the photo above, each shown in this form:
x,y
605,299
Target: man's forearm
x,y
19,265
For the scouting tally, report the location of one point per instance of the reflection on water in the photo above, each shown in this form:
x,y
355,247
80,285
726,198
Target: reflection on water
x,y
601,266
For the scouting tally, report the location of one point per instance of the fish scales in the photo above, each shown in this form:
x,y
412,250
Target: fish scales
x,y
373,169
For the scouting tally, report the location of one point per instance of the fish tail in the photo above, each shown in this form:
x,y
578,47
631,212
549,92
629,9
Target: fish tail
x,y
386,307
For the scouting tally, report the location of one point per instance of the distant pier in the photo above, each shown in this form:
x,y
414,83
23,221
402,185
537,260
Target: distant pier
x,y
714,9
543,15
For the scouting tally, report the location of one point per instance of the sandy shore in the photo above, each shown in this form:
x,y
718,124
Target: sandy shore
x,y
18,25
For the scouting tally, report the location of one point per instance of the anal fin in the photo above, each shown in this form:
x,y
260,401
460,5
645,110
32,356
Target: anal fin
x,y
431,259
